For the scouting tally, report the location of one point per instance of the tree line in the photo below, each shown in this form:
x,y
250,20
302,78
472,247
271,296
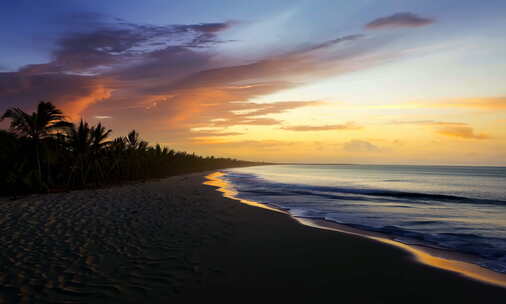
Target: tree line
x,y
43,152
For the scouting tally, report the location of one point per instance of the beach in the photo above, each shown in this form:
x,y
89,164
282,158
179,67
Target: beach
x,y
176,238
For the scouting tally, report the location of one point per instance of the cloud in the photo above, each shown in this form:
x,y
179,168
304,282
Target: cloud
x,y
452,129
249,113
360,146
403,19
72,93
210,133
216,134
112,44
87,66
478,103
336,41
168,79
206,138
427,123
485,103
303,128
461,132
257,145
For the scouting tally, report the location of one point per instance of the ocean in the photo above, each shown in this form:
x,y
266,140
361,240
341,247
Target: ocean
x,y
457,208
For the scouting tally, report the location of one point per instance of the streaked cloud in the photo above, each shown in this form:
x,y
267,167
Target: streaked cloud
x,y
249,113
333,42
427,123
264,145
117,43
478,103
462,132
210,136
451,129
304,128
402,19
484,103
72,93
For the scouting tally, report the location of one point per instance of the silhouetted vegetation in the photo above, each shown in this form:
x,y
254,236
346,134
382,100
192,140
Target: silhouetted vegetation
x,y
43,152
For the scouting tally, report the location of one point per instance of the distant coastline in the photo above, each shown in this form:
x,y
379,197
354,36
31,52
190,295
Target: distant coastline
x,y
382,164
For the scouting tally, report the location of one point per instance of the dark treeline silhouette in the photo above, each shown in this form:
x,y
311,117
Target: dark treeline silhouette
x,y
42,152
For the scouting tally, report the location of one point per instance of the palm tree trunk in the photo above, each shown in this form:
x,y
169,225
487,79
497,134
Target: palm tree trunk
x,y
48,177
37,159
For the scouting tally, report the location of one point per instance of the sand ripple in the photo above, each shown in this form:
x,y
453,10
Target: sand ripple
x,y
122,244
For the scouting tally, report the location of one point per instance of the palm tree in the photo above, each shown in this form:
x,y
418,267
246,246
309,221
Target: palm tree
x,y
135,142
82,154
136,148
99,136
87,145
79,142
39,125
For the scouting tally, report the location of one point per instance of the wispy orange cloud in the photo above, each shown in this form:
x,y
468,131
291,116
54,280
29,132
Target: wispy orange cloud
x,y
427,123
269,144
303,128
72,93
478,103
485,103
452,129
481,103
205,134
461,132
74,106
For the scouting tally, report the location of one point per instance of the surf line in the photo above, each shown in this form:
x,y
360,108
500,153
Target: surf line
x,y
433,257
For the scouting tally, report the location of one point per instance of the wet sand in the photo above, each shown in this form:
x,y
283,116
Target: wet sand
x,y
177,238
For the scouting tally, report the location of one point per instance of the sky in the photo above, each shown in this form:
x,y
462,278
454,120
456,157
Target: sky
x,y
364,81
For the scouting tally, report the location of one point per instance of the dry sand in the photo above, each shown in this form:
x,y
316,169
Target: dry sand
x,y
177,238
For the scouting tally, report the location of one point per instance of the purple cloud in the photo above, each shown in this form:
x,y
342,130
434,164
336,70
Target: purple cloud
x,y
404,19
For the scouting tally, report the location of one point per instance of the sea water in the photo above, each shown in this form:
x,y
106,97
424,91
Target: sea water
x,y
458,208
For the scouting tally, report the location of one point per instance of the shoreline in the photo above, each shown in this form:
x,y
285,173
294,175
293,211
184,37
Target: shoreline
x,y
177,238
439,258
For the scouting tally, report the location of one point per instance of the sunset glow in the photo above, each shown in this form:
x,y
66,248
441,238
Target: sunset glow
x,y
410,82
